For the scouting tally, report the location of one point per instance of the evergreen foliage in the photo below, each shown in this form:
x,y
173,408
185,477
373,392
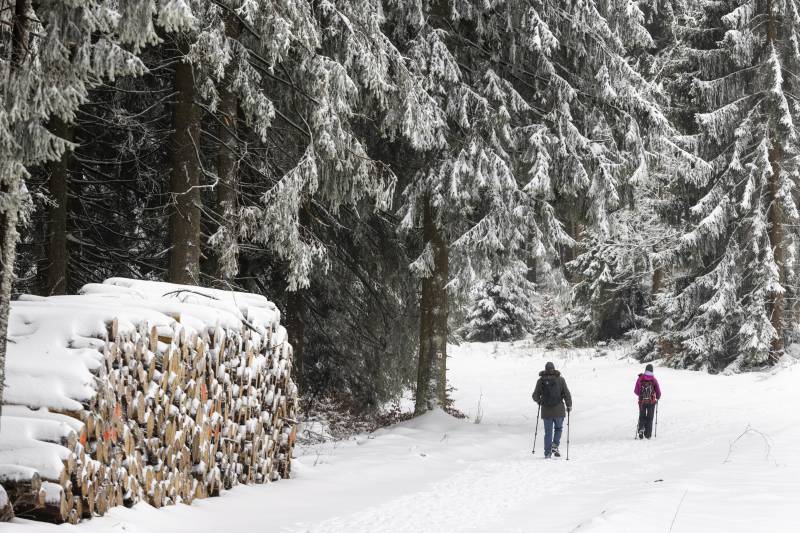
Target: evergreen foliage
x,y
371,164
728,304
502,308
613,288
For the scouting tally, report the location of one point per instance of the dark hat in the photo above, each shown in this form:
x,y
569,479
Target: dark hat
x,y
649,368
549,366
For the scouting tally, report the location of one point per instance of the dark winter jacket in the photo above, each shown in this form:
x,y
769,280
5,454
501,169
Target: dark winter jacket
x,y
561,391
647,376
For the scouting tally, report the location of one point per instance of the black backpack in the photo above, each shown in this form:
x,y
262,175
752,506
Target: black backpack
x,y
646,392
551,392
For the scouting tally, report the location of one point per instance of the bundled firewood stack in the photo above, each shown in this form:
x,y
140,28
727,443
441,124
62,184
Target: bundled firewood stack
x,y
142,391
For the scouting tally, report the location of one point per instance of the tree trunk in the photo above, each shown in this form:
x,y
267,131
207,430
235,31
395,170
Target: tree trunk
x,y
227,188
57,259
9,209
777,300
9,215
296,306
19,32
184,219
432,366
533,270
664,344
424,363
569,253
296,329
432,363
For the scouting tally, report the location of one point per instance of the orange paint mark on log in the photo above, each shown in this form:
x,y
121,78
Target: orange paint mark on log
x,y
204,392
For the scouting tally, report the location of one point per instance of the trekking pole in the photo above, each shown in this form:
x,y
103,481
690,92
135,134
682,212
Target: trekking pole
x,y
567,435
536,432
655,430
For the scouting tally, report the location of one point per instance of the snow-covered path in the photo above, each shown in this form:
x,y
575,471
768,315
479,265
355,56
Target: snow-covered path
x,y
438,474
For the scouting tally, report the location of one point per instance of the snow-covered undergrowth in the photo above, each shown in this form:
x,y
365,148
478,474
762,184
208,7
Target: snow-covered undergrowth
x,y
725,459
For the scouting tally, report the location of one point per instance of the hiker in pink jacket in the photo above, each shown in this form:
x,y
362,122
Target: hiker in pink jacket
x,y
648,392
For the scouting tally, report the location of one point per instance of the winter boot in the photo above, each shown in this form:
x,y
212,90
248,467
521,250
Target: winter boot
x,y
641,433
556,453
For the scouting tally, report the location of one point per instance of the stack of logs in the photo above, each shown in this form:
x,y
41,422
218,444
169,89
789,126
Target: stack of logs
x,y
176,416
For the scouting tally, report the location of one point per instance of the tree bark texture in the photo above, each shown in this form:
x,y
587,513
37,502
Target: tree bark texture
x,y
296,329
569,253
227,188
776,236
19,32
777,300
8,239
56,281
296,307
184,218
432,369
424,363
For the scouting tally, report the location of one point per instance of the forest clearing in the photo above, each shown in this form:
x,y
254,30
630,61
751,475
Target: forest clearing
x,y
372,249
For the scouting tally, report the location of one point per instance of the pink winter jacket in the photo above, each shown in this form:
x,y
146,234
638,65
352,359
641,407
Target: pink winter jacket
x,y
647,376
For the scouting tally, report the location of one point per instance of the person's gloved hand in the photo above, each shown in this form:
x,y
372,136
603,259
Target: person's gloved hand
x,y
569,409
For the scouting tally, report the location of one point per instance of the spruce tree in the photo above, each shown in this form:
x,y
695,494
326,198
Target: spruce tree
x,y
727,307
501,309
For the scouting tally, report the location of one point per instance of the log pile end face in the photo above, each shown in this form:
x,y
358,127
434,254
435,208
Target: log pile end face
x,y
190,392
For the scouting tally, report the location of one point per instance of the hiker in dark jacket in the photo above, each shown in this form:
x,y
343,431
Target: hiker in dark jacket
x,y
551,393
649,392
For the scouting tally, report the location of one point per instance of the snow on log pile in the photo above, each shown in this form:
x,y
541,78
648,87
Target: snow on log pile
x,y
142,391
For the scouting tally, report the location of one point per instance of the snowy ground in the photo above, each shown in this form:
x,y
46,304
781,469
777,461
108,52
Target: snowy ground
x,y
725,459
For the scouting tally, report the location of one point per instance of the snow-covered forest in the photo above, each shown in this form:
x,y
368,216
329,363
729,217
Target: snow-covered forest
x,y
401,176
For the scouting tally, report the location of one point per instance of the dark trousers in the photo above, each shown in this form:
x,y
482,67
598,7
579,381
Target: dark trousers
x,y
646,413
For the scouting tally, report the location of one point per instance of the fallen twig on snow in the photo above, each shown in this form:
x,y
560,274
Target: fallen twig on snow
x,y
749,429
677,510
